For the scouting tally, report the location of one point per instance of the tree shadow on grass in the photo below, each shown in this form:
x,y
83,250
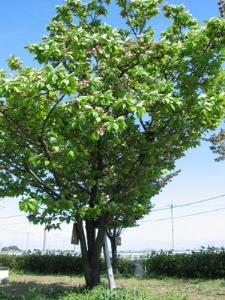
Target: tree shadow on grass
x,y
36,291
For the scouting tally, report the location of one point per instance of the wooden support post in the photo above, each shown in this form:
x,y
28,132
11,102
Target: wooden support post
x,y
75,235
112,284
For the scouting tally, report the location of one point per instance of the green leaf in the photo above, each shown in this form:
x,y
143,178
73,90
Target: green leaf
x,y
115,126
71,154
56,149
46,163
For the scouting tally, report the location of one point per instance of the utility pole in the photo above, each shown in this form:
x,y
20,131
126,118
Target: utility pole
x,y
27,241
221,4
172,225
44,240
49,243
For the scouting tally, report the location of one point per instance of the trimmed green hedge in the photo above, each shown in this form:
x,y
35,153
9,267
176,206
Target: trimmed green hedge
x,y
43,264
56,264
126,267
209,264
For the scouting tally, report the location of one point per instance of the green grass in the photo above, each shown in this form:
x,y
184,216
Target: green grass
x,y
31,287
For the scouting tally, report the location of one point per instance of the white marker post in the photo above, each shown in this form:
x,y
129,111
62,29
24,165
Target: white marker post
x,y
112,284
4,275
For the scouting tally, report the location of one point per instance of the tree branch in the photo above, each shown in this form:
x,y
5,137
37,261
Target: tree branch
x,y
49,114
45,145
147,130
47,189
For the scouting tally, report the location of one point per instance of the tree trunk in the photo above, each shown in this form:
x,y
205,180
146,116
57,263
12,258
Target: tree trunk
x,y
91,247
114,255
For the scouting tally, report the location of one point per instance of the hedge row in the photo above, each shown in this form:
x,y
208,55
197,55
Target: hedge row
x,y
56,264
209,264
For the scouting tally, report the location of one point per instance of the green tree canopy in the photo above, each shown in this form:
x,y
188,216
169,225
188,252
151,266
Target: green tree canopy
x,y
88,136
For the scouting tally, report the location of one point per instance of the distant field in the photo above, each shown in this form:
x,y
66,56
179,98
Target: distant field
x,y
31,287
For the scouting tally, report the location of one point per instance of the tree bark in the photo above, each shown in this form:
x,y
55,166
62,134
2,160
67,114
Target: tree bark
x,y
91,247
114,255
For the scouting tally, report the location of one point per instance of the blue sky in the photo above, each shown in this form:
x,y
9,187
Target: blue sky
x,y
23,22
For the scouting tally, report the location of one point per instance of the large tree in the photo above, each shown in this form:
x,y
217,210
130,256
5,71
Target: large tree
x,y
88,135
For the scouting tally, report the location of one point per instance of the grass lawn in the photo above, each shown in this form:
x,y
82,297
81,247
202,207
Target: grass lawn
x,y
33,287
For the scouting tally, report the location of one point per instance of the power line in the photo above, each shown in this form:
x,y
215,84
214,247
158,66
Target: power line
x,y
15,216
11,224
13,231
184,216
160,209
153,210
200,201
201,213
189,203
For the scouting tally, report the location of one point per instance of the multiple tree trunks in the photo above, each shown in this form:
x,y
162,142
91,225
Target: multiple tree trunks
x,y
91,245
